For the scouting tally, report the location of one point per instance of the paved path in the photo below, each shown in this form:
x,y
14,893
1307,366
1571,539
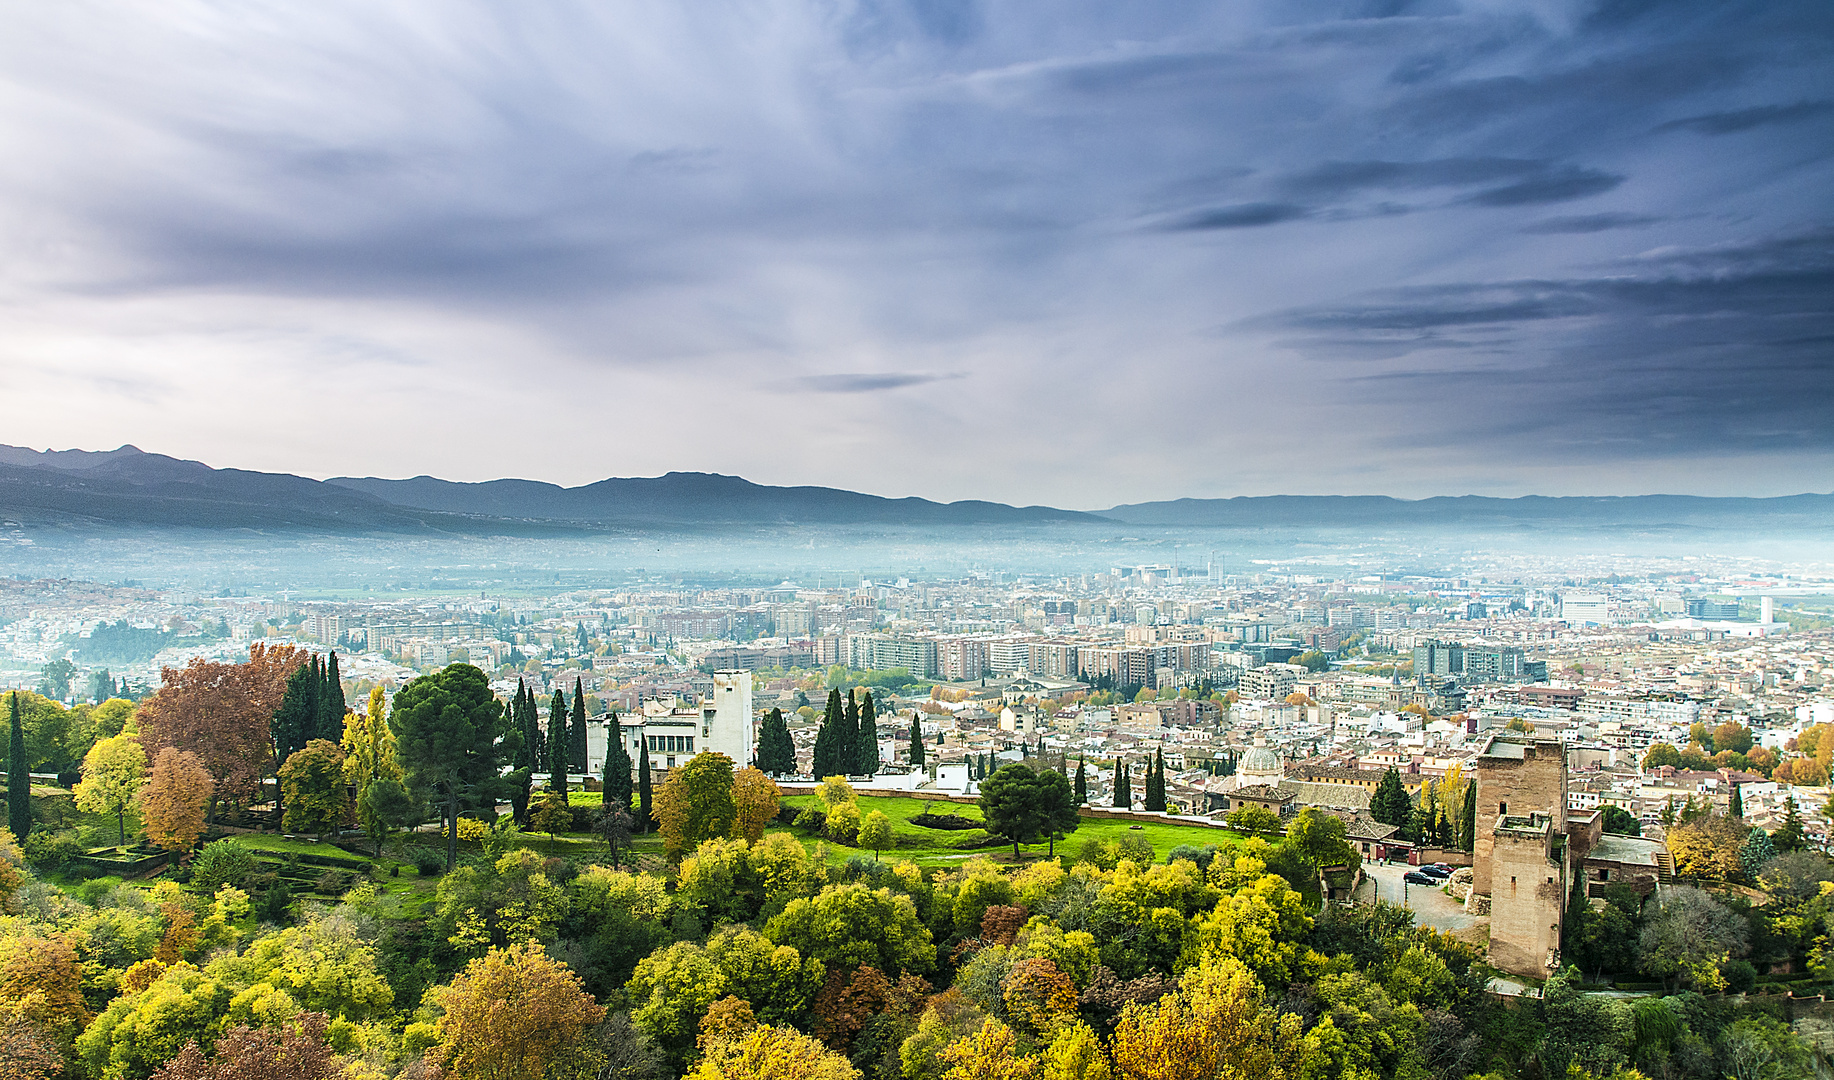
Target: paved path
x,y
1429,903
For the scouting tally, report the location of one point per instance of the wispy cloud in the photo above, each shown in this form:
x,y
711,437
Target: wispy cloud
x,y
860,382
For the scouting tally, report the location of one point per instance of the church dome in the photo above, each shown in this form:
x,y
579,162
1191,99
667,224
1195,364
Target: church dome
x,y
1260,761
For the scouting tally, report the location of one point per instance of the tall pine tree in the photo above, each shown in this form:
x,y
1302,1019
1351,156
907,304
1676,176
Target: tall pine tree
x,y
917,740
18,775
557,743
1390,804
617,765
643,784
576,731
866,739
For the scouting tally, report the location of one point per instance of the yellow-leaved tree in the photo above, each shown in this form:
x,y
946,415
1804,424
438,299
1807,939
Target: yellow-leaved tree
x,y
1213,1027
113,771
756,797
515,1014
173,801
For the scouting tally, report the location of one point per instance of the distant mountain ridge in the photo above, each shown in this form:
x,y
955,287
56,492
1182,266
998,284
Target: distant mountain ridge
x,y
1809,510
127,487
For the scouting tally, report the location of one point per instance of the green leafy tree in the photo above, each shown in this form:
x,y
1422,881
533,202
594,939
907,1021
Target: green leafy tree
x,y
550,814
1791,837
370,756
1011,805
113,771
312,781
445,724
1320,839
1058,806
696,802
845,926
876,832
385,804
617,766
18,775
1622,822
58,674
1390,804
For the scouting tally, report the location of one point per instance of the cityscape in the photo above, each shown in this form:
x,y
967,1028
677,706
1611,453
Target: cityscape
x,y
917,540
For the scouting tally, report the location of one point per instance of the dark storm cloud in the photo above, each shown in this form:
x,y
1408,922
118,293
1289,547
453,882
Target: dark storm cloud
x,y
1434,205
1728,123
1672,354
1243,216
1588,223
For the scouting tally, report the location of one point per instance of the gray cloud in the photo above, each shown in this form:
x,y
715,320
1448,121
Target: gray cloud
x,y
583,210
862,382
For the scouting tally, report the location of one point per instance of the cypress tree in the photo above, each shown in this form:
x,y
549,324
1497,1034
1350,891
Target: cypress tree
x,y
557,743
531,726
1123,787
1082,782
617,765
866,740
296,721
576,732
331,704
847,749
1470,816
916,740
18,776
643,783
827,736
1025,751
1787,839
1155,782
521,753
1737,809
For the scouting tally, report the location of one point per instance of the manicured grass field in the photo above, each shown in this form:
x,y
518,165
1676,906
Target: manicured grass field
x,y
928,846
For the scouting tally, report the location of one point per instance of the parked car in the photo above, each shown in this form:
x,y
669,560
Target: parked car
x,y
1435,872
1446,866
1415,877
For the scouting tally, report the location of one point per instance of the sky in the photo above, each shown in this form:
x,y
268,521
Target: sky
x,y
1078,254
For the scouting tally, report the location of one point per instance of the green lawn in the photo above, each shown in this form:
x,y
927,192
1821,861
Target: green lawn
x,y
278,845
927,846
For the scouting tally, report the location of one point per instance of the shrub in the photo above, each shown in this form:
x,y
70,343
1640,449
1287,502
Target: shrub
x,y
469,829
334,882
1202,856
50,851
427,862
69,779
222,863
1740,976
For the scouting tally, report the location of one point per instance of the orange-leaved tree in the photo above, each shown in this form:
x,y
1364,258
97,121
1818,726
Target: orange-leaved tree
x,y
515,1014
223,713
296,1050
172,802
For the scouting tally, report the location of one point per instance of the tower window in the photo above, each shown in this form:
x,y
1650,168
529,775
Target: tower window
x,y
1502,808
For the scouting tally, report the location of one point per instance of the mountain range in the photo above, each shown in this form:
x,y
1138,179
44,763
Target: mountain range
x,y
126,487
